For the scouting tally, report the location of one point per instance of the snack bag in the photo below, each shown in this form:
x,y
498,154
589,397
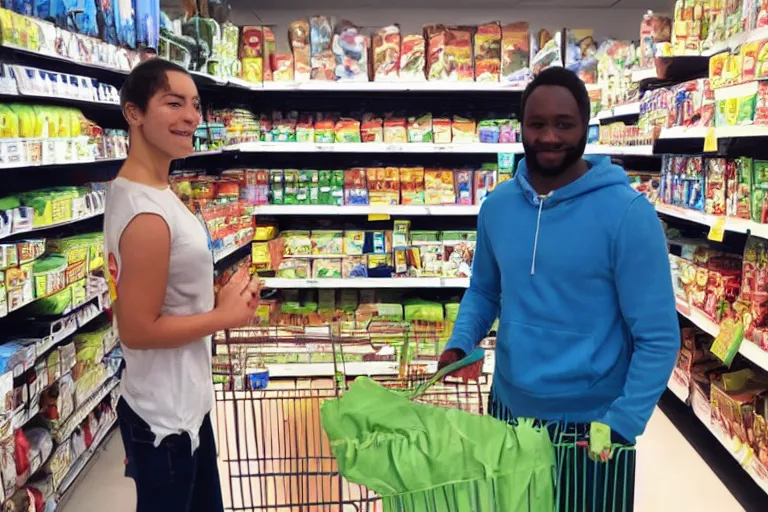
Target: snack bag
x,y
299,39
715,182
515,51
386,53
420,129
412,185
282,67
395,131
350,48
413,59
549,55
323,60
488,52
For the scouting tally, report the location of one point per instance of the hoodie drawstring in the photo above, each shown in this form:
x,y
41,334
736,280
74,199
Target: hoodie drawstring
x,y
536,237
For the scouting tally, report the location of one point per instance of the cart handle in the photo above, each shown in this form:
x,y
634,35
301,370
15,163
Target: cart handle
x,y
475,356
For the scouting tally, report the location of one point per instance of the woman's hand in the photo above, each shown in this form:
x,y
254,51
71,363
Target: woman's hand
x,y
237,300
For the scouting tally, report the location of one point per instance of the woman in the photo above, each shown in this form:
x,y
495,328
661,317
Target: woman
x,y
160,270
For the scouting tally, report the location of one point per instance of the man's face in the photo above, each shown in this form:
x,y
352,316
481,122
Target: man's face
x,y
553,132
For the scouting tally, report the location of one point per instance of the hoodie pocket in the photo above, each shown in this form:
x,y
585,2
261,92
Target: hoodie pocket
x,y
543,361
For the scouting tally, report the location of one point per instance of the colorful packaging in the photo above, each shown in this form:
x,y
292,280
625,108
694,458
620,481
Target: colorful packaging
x,y
442,130
326,268
355,188
761,104
715,182
395,130
413,59
327,243
383,185
760,192
485,182
739,195
458,259
439,187
464,187
386,53
350,48
420,129
412,185
354,266
323,60
354,242
463,130
299,39
488,52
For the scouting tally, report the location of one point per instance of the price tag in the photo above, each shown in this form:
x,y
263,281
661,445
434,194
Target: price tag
x,y
717,231
443,148
378,216
710,141
393,148
324,147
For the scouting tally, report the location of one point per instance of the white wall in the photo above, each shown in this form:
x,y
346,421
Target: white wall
x,y
607,23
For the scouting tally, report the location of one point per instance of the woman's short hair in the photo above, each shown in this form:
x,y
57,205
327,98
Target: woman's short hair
x,y
146,80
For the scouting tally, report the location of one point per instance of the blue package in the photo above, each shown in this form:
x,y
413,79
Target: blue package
x,y
258,380
125,22
147,23
105,17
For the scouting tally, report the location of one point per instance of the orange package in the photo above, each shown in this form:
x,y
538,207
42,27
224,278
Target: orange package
x,y
439,187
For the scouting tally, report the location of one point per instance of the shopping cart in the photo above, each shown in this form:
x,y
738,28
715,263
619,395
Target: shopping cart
x,y
273,453
275,456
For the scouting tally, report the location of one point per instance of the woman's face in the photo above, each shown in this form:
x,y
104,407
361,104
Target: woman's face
x,y
172,116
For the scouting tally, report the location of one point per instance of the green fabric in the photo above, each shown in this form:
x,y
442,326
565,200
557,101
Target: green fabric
x,y
422,458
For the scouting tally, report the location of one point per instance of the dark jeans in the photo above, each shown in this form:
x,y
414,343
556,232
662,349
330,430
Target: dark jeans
x,y
581,484
170,478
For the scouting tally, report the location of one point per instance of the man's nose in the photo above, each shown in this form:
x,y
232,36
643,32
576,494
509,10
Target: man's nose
x,y
549,136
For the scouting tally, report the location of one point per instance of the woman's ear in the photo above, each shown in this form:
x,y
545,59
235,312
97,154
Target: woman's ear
x,y
132,114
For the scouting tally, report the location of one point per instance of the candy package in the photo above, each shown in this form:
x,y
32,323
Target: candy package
x,y
715,181
439,187
383,185
386,53
412,185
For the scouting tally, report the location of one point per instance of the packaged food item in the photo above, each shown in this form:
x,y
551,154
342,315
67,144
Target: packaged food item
x,y
442,131
355,187
354,242
395,131
295,268
485,182
431,260
463,130
450,53
401,233
296,243
464,187
420,129
386,53
282,67
400,261
749,54
372,129
326,268
439,187
549,54
325,129
760,192
354,266
347,131
488,52
761,104
715,181
489,131
458,258
327,243
323,60
412,185
383,185
350,48
380,265
299,39
413,59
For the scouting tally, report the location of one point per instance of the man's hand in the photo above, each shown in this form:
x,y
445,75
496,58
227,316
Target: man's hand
x,y
466,374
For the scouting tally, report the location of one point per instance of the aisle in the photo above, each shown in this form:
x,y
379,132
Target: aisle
x,y
669,471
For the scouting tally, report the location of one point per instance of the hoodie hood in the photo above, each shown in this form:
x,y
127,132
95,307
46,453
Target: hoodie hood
x,y
602,173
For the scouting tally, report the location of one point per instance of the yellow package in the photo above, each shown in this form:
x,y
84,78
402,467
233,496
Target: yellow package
x,y
27,120
252,69
33,34
9,123
48,121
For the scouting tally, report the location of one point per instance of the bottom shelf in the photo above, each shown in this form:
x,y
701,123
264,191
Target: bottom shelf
x,y
740,453
85,458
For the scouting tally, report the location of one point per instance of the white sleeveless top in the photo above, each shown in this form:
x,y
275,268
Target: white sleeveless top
x,y
170,389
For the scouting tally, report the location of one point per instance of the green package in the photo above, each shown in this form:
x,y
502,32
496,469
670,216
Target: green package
x,y
414,454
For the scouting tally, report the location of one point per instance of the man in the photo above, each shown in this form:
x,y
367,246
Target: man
x,y
574,264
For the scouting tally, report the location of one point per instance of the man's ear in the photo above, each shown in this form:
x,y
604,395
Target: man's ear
x,y
132,114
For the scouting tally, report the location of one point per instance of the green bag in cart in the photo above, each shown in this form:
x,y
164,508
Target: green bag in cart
x,y
423,458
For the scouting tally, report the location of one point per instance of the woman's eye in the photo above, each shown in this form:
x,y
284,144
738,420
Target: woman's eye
x,y
175,104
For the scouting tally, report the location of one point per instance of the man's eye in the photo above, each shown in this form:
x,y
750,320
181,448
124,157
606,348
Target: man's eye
x,y
565,126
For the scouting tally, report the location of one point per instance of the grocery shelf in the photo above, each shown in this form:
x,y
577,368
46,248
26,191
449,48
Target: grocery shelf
x,y
605,149
60,164
737,40
749,350
55,225
80,464
398,210
742,454
731,224
367,282
425,86
628,109
63,99
374,147
66,429
229,251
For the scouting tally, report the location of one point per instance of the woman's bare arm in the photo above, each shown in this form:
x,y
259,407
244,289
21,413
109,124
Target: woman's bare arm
x,y
145,248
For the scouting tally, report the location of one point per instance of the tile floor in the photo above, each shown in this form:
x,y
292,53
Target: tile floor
x,y
666,462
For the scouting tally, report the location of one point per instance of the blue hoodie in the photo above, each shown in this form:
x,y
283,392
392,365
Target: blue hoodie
x,y
580,282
